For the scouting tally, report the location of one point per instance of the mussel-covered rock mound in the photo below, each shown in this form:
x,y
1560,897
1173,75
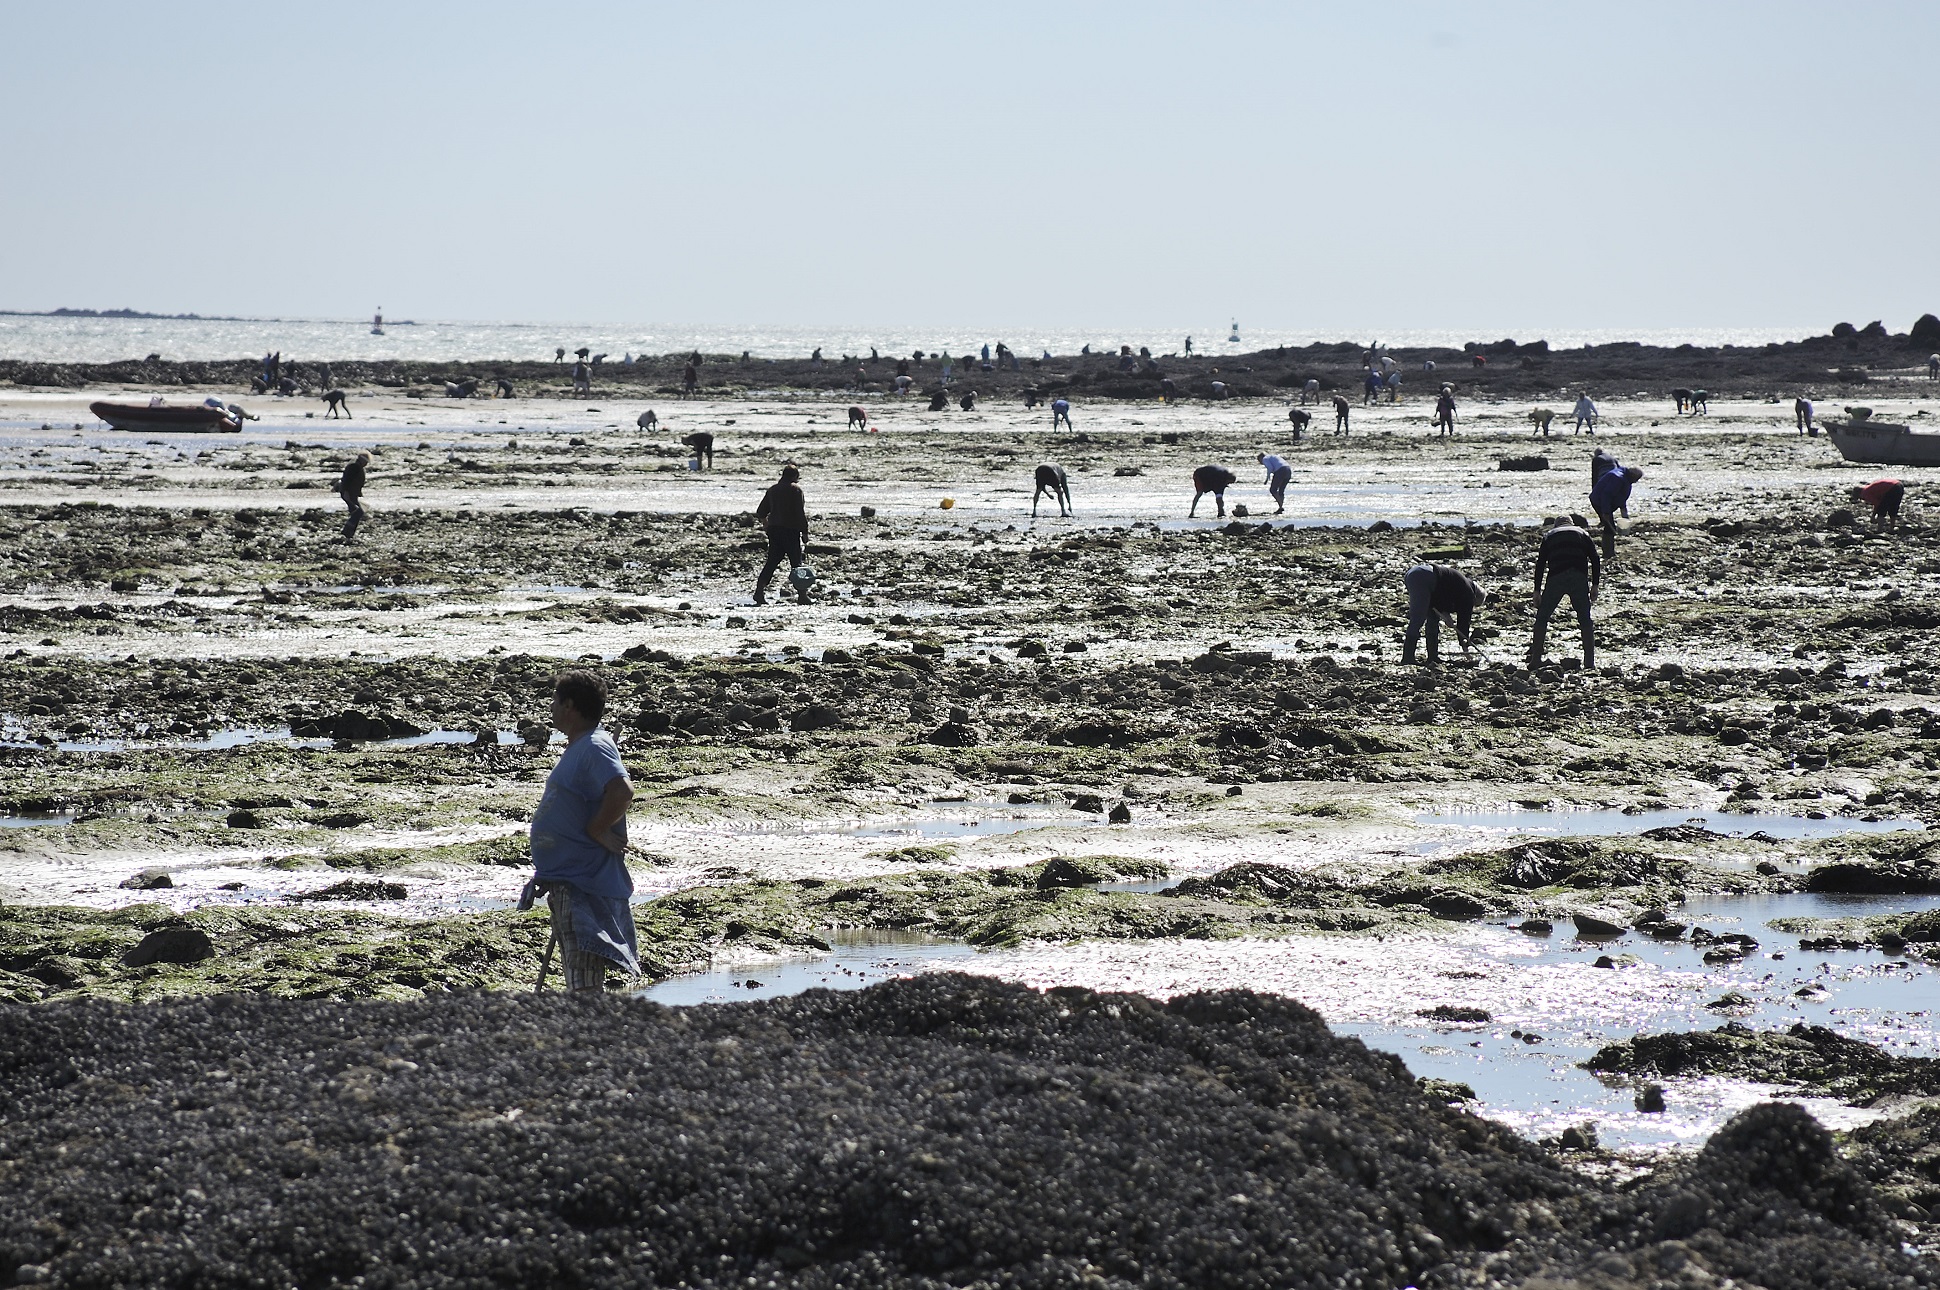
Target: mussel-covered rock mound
x,y
942,1131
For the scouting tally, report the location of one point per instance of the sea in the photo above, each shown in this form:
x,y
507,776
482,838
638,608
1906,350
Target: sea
x,y
80,339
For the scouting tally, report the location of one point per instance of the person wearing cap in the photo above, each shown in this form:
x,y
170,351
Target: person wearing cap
x,y
1884,496
1438,594
783,515
1278,476
1569,558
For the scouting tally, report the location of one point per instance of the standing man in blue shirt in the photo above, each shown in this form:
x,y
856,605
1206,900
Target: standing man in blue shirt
x,y
579,843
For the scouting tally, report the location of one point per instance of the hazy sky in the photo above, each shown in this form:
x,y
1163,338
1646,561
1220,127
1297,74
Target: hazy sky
x,y
1397,165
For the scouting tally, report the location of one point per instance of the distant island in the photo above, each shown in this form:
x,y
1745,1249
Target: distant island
x,y
139,314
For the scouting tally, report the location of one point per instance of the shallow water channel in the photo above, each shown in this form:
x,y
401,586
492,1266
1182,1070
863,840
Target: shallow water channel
x,y
1550,1007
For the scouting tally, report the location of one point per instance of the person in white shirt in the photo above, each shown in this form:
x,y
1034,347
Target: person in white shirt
x,y
1585,414
1278,476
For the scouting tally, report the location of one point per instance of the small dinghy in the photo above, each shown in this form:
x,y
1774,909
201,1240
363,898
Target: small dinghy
x,y
148,418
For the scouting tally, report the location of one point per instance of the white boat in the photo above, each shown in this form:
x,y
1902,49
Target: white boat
x,y
1883,443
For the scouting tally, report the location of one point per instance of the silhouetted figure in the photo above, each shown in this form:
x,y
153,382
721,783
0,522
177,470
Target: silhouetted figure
x,y
1341,408
1050,478
1568,557
968,402
1445,412
335,402
648,420
1210,479
702,443
1061,412
783,515
1435,592
350,487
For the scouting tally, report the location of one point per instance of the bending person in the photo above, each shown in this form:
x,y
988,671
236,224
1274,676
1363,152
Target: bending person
x,y
1884,496
1611,494
1435,592
1211,479
1278,476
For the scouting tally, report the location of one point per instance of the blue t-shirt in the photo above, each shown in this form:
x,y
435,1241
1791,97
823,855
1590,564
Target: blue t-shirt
x,y
562,850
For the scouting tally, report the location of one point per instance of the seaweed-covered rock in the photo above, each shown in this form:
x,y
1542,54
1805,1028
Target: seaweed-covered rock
x,y
1816,1058
943,1130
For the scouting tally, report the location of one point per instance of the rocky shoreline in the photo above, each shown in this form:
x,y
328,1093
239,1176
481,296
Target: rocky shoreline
x,y
1846,361
264,794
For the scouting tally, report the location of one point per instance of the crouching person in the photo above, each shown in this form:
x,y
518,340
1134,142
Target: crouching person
x,y
579,844
1435,592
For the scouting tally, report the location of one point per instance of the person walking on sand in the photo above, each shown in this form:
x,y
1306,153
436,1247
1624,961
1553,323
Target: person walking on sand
x,y
350,487
1188,347
1278,476
1884,496
578,841
1585,413
1435,592
559,355
1060,412
1569,561
1341,408
1211,479
1802,413
783,515
1609,495
690,378
1445,411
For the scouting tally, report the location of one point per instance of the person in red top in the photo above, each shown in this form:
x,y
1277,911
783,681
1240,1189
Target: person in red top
x,y
1884,496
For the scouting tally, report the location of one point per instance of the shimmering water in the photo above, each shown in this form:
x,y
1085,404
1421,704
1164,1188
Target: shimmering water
x,y
97,340
1550,1006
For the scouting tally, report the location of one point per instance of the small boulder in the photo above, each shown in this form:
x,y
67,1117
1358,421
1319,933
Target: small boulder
x,y
170,945
148,880
1595,927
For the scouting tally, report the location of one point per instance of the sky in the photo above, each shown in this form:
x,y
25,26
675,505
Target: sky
x,y
1627,164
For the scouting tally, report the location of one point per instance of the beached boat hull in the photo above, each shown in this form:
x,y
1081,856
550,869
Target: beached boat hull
x,y
193,420
1885,444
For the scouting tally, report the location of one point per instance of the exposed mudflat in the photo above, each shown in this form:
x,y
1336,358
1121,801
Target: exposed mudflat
x,y
1126,751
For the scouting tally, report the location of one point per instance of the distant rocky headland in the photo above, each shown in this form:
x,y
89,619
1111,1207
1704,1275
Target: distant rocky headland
x,y
1845,358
